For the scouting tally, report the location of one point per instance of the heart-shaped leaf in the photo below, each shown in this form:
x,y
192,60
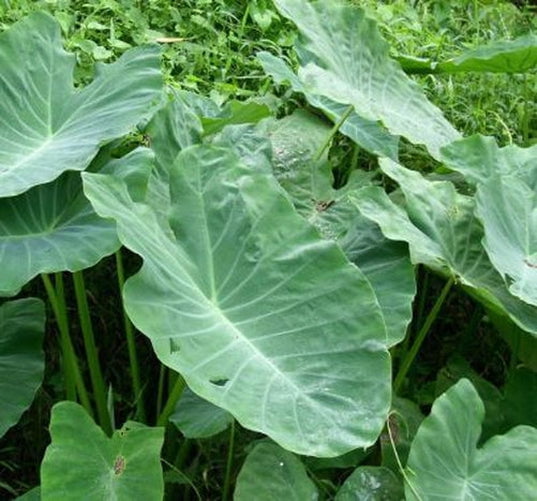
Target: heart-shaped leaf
x,y
83,463
259,314
22,324
503,468
48,127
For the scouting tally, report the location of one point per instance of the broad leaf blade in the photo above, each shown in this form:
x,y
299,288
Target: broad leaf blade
x,y
504,468
271,472
83,463
369,134
345,59
260,315
443,233
53,227
506,199
22,324
47,126
296,139
502,56
197,418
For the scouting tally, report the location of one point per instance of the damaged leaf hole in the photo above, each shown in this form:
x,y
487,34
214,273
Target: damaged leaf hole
x,y
119,465
219,381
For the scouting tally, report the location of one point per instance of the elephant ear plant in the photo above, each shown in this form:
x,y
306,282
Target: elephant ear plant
x,y
274,297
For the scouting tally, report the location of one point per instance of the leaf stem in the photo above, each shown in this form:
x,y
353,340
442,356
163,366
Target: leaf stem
x,y
96,374
411,354
333,132
173,397
398,460
74,382
131,344
229,462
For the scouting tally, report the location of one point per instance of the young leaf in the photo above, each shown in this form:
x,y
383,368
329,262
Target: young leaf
x,y
344,58
371,483
52,227
47,126
83,463
271,472
503,468
197,418
259,314
22,324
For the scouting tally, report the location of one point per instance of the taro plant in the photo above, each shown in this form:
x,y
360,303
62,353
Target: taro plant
x,y
275,300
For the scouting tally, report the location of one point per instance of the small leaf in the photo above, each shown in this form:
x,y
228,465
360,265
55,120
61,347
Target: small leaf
x,y
83,463
22,324
503,468
270,473
371,483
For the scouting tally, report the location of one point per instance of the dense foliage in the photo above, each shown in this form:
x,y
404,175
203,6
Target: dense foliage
x,y
224,226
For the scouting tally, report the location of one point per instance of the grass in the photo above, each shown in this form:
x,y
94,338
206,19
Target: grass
x,y
210,49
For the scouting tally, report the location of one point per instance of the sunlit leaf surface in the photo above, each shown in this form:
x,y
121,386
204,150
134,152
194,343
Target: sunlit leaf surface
x,y
503,468
259,314
83,463
48,127
344,58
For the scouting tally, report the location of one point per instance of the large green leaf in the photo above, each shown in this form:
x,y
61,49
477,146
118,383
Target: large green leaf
x,y
296,139
22,324
52,227
371,483
344,58
503,468
259,314
506,205
270,473
83,463
47,126
500,56
443,233
369,134
197,418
